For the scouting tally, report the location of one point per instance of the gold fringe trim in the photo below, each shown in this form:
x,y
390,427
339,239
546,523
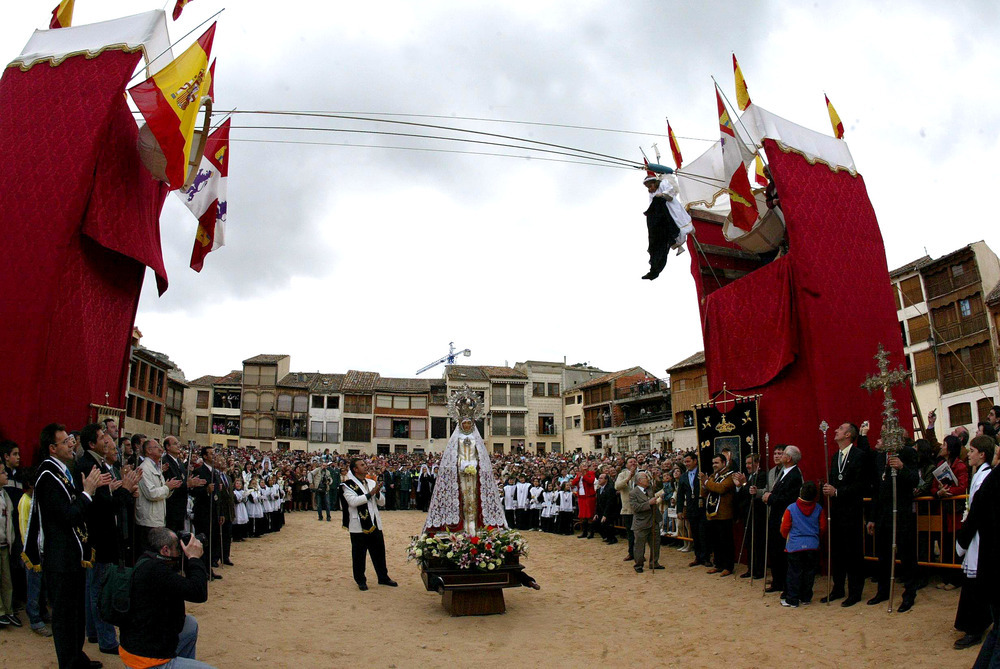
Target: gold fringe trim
x,y
55,61
29,564
812,161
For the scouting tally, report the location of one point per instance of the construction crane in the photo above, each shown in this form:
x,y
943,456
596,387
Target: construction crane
x,y
448,359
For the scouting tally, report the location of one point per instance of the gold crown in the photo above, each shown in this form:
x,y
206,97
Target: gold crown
x,y
725,426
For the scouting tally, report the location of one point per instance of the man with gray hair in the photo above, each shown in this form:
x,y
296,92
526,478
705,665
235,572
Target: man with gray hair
x,y
785,491
643,500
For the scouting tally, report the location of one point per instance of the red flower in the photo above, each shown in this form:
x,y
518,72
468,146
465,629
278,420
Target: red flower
x,y
473,551
510,549
474,540
489,547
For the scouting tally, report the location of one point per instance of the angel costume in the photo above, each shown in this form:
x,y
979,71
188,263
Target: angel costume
x,y
465,497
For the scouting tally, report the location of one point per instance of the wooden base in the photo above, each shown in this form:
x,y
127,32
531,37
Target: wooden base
x,y
473,602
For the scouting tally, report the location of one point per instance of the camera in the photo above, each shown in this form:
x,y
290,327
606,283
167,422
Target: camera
x,y
185,537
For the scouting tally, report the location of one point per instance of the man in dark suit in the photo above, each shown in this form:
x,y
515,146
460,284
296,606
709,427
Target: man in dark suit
x,y
788,483
227,507
177,503
609,505
845,491
58,520
754,480
391,483
206,506
691,507
984,519
907,478
102,531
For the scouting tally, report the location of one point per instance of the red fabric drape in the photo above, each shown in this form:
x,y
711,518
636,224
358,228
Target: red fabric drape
x,y
803,330
79,222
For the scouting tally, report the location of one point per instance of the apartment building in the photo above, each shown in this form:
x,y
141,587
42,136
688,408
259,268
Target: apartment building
x,y
257,410
646,419
688,387
326,403
600,413
145,403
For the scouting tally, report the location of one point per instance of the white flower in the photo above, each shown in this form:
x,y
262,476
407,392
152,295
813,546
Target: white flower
x,y
450,554
419,552
491,566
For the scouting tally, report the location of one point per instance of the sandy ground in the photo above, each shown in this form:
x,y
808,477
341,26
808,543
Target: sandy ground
x,y
290,601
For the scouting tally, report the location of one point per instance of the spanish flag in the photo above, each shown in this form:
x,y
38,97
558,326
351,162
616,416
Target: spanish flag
x,y
62,15
758,172
742,94
741,200
838,127
674,148
178,8
169,101
725,123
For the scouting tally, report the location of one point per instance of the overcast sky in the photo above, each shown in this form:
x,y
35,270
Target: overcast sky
x,y
371,258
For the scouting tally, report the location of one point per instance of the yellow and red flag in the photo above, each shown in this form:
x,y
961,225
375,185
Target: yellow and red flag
x,y
838,127
758,172
169,101
725,123
674,148
741,200
742,94
62,15
178,8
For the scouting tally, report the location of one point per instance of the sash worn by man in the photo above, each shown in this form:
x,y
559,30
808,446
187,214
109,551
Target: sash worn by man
x,y
362,519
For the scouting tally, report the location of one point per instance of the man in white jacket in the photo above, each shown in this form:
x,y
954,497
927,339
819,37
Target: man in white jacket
x,y
362,520
151,505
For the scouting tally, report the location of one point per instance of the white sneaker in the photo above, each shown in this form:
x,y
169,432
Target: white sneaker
x,y
789,606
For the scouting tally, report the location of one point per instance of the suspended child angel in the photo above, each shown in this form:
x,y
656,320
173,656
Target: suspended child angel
x,y
667,222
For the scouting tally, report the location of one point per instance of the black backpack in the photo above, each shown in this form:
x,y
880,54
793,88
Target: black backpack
x,y
114,602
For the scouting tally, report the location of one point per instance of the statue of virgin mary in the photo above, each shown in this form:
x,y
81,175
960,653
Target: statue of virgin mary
x,y
466,497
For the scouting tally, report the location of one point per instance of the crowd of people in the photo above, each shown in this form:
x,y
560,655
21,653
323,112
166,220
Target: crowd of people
x,y
95,501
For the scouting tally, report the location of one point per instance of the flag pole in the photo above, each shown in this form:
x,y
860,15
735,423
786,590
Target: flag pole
x,y
823,427
767,530
756,149
175,43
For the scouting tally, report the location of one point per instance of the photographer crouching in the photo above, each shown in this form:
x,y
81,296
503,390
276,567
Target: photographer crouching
x,y
159,633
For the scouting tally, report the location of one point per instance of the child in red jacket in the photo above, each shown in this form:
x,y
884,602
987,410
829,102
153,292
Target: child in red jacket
x,y
802,525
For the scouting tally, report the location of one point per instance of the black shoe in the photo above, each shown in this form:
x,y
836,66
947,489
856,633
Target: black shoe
x,y
389,582
612,542
745,575
90,639
628,558
850,601
582,536
877,599
967,641
362,586
4,622
904,607
834,596
638,568
228,563
216,577
771,588
658,566
650,276
109,651
14,620
94,664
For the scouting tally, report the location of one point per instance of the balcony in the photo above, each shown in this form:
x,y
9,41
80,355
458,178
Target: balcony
x,y
980,376
944,283
642,389
649,417
548,431
962,328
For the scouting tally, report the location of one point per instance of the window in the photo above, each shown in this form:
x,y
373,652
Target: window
x,y
902,331
540,447
333,402
202,399
553,390
912,292
268,376
418,402
418,428
516,396
250,402
499,395
400,402
226,399
960,414
332,432
538,389
299,403
251,375
382,449
965,307
316,430
569,422
439,428
202,425
283,446
517,425
249,427
317,401
266,402
579,399
284,402
920,329
957,270
383,427
983,407
358,404
576,422
546,423
556,447
685,418
358,429
569,400
499,424
400,429
265,428
400,448
895,294
498,449
924,366
384,401
643,442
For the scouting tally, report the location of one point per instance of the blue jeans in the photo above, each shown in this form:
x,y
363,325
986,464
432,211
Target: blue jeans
x,y
186,643
32,606
322,504
105,633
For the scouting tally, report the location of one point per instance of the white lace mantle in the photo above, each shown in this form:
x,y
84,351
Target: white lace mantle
x,y
444,507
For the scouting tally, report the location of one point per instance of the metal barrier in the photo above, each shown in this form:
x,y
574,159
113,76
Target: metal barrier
x,y
937,521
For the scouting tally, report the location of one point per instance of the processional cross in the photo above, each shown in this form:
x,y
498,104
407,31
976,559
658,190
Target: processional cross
x,y
892,437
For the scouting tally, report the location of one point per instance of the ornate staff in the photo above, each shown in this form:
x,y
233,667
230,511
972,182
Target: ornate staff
x,y
892,438
823,427
767,523
746,528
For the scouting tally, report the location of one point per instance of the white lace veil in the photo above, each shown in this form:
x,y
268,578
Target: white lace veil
x,y
444,506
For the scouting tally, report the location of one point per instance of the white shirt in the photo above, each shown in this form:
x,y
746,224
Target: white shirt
x,y
355,500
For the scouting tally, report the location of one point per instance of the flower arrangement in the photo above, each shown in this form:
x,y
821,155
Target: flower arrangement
x,y
486,550
469,470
